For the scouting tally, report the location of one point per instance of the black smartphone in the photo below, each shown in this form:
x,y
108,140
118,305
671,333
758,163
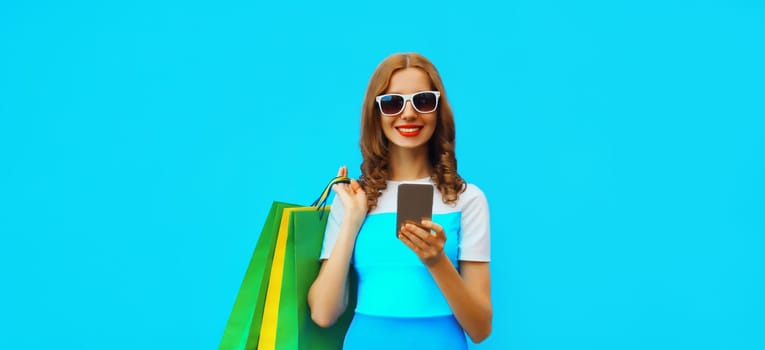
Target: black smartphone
x,y
415,203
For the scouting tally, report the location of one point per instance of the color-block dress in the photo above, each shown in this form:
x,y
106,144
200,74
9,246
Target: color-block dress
x,y
399,305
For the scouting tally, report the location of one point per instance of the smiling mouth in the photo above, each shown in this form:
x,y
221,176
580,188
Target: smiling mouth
x,y
409,131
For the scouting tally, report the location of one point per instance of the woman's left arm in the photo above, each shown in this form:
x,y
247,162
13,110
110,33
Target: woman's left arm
x,y
468,293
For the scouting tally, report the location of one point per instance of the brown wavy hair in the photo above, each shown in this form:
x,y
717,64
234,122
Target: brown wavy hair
x,y
374,144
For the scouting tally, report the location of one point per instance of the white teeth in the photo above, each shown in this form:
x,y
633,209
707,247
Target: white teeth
x,y
408,129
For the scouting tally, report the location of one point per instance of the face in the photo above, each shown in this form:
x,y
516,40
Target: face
x,y
409,129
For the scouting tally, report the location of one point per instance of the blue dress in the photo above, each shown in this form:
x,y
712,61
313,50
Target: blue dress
x,y
399,305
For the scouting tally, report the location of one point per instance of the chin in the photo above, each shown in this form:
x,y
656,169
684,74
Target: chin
x,y
411,145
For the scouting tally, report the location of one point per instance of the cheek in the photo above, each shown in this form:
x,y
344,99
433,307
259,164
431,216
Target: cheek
x,y
431,132
386,128
432,124
388,131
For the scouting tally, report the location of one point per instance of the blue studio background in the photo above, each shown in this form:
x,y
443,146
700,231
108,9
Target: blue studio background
x,y
620,145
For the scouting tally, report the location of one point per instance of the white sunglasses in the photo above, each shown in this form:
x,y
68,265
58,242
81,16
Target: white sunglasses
x,y
393,104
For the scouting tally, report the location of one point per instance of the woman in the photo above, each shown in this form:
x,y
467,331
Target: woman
x,y
430,286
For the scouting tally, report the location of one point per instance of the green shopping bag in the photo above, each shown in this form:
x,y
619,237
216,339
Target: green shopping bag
x,y
271,309
286,319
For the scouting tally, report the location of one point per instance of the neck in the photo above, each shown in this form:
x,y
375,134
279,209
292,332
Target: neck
x,y
409,164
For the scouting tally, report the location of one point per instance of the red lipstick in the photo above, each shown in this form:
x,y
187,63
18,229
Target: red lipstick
x,y
409,130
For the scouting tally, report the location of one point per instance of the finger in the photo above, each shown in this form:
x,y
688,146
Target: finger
x,y
342,191
404,238
417,239
420,247
431,225
340,171
435,228
421,232
441,234
344,169
355,186
433,240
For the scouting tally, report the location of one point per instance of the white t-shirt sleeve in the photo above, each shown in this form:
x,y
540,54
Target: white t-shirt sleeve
x,y
333,226
475,244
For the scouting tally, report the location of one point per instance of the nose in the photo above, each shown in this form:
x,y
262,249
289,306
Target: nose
x,y
408,113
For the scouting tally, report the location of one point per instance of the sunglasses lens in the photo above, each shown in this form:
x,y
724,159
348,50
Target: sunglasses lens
x,y
391,104
425,102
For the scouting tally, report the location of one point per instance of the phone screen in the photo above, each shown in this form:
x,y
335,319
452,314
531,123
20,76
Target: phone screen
x,y
415,203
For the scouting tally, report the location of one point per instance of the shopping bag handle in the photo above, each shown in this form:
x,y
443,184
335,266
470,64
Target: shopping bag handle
x,y
321,202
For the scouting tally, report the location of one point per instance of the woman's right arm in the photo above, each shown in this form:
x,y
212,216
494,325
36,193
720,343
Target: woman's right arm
x,y
328,296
